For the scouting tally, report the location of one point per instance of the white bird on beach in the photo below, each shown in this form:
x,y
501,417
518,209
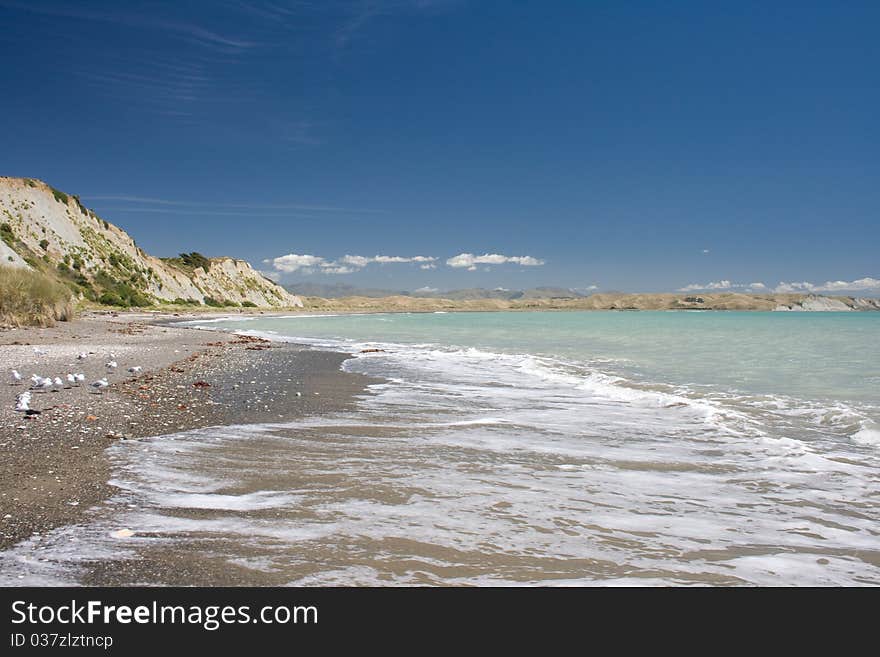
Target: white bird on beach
x,y
57,384
40,352
14,377
79,378
135,369
100,385
44,384
112,365
22,402
36,378
71,380
82,355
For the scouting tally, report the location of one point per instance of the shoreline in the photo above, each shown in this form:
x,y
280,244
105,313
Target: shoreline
x,y
53,466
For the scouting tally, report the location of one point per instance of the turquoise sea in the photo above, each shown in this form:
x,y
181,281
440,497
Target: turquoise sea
x,y
545,448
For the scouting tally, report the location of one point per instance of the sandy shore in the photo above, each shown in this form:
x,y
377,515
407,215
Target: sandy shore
x,y
52,466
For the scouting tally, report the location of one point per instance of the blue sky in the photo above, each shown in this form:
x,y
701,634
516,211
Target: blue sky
x,y
635,146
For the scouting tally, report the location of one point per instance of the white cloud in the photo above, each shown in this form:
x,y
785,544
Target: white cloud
x,y
794,287
469,260
347,264
859,285
387,259
362,261
355,260
292,262
427,290
714,285
705,251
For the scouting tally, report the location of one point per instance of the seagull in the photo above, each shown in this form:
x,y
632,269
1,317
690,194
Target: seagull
x,y
71,380
40,352
44,384
22,402
82,355
57,383
15,377
111,365
36,378
79,377
100,385
135,369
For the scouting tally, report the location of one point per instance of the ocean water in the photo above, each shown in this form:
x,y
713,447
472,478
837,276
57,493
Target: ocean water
x,y
528,448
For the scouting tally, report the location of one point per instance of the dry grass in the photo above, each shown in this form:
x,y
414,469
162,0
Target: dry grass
x,y
29,298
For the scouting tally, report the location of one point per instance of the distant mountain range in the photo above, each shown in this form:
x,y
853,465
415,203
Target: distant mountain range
x,y
341,290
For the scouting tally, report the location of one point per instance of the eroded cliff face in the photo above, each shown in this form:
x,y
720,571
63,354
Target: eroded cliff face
x,y
49,230
814,303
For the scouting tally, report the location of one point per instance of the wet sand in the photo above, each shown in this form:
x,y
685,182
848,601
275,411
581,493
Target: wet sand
x,y
53,466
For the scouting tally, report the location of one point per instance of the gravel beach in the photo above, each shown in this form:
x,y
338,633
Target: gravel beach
x,y
52,465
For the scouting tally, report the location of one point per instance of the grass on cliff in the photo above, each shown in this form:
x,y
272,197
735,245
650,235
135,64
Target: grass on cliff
x,y
30,298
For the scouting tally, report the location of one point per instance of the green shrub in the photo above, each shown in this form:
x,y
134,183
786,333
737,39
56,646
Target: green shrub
x,y
189,261
220,303
112,299
6,234
248,304
44,244
119,293
82,208
60,196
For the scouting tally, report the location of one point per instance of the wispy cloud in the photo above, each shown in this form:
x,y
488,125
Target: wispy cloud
x,y
119,15
364,13
182,61
359,14
173,66
211,206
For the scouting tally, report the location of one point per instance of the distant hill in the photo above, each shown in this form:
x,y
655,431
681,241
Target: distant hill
x,y
341,290
46,230
605,301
